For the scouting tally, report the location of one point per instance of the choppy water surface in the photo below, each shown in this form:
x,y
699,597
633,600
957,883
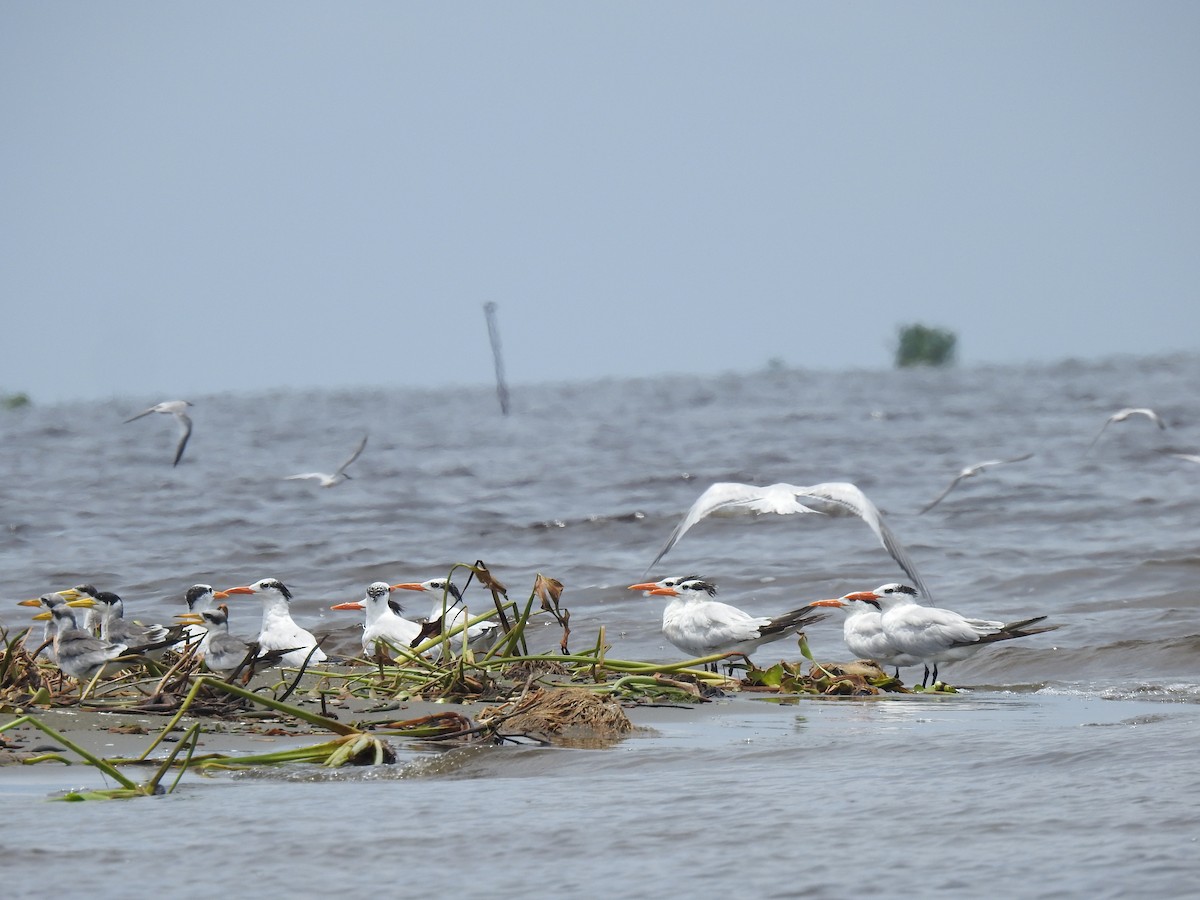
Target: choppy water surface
x,y
1069,768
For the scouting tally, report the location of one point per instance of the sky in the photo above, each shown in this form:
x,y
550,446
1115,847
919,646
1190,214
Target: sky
x,y
227,196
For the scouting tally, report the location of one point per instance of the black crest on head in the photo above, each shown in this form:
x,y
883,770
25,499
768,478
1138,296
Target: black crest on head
x,y
396,607
279,586
903,589
195,592
376,591
450,588
108,597
698,585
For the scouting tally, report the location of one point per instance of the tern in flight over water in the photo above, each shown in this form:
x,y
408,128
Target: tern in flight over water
x,y
337,477
969,472
838,498
178,409
1123,414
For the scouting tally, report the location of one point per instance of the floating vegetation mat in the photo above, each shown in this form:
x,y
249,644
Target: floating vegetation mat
x,y
350,709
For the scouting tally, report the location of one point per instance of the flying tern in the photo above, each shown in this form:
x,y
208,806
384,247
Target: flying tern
x,y
701,626
178,409
969,472
1121,416
832,499
328,480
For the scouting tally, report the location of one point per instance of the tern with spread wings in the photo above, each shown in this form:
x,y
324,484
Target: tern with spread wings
x,y
328,480
838,498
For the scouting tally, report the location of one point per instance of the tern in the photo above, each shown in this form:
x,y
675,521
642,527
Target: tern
x,y
384,621
178,409
1123,414
837,498
199,597
449,612
932,635
701,626
969,472
51,600
1188,457
116,629
279,631
338,476
863,628
221,651
78,653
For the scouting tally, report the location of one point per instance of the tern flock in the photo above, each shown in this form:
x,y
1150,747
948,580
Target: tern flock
x,y
890,624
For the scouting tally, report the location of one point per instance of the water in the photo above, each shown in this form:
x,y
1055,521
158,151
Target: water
x,y
1068,768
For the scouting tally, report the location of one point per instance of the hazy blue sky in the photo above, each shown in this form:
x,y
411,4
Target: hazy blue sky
x,y
225,195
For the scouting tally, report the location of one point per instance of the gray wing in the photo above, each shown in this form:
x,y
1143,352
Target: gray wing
x,y
1107,422
844,498
830,498
353,456
942,496
144,412
185,422
968,472
727,497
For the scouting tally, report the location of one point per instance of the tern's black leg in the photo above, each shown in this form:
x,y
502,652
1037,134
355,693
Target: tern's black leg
x,y
925,680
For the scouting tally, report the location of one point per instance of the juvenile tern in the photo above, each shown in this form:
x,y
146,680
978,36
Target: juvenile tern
x,y
199,597
116,629
932,635
221,651
384,621
837,498
1121,416
51,600
279,631
338,476
701,626
78,653
969,472
449,612
178,409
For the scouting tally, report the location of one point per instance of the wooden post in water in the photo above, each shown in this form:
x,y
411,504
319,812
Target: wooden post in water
x,y
489,310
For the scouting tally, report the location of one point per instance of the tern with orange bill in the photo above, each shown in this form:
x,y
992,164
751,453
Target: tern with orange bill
x,y
932,636
383,619
863,629
701,626
279,631
449,612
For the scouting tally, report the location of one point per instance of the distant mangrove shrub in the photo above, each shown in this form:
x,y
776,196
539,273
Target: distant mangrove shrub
x,y
922,346
14,401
